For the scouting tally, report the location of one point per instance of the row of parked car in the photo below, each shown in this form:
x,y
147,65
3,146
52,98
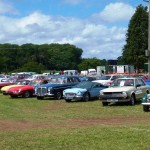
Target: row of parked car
x,y
109,88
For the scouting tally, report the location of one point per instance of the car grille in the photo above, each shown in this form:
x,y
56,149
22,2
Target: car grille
x,y
113,94
41,91
70,94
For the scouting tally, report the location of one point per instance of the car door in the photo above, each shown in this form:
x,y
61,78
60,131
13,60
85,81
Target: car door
x,y
95,88
139,89
142,86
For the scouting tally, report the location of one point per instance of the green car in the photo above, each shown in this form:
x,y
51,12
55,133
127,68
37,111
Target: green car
x,y
146,102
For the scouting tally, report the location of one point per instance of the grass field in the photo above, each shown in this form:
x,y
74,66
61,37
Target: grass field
x,y
31,124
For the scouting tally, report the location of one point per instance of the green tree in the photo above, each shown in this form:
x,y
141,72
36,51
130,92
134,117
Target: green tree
x,y
50,56
64,56
88,63
120,61
8,56
133,52
31,67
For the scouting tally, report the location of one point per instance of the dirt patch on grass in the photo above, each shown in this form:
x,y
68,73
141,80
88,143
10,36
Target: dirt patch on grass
x,y
11,125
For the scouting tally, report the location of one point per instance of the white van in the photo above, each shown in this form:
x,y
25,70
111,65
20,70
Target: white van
x,y
71,72
92,72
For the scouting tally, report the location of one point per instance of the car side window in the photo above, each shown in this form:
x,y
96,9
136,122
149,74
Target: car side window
x,y
75,79
68,80
97,86
136,82
141,82
114,77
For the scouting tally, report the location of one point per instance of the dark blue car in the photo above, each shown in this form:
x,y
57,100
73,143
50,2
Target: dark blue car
x,y
56,86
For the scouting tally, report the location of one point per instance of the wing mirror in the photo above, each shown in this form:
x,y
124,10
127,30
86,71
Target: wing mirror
x,y
138,85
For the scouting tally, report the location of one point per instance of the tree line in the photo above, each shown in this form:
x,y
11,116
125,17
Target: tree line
x,y
33,57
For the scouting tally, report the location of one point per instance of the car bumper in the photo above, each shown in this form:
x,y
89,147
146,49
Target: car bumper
x,y
14,93
113,99
146,103
77,98
45,94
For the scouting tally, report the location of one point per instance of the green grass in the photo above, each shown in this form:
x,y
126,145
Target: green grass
x,y
31,124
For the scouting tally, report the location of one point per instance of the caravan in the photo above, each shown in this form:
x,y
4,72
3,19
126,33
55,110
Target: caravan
x,y
71,72
92,72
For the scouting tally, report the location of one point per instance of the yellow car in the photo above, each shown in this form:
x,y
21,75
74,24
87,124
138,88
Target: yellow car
x,y
5,88
18,83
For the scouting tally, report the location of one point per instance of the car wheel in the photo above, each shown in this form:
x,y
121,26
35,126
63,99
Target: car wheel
x,y
132,100
147,92
26,94
58,95
145,108
104,103
68,100
86,97
40,97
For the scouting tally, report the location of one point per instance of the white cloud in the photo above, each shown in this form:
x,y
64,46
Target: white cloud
x,y
116,12
7,8
96,40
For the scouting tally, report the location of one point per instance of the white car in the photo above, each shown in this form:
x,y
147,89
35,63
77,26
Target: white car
x,y
2,78
124,90
108,79
37,76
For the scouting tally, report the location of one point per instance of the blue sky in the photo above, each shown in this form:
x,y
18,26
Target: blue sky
x,y
98,27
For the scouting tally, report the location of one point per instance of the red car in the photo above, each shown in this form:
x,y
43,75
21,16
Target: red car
x,y
25,91
144,77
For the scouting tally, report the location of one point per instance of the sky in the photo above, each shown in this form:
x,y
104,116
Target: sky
x,y
98,27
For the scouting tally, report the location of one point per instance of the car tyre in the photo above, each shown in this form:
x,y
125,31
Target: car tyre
x,y
104,103
68,100
40,97
86,97
4,93
58,95
132,100
145,108
26,94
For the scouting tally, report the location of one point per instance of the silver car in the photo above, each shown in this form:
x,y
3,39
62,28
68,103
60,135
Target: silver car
x,y
124,90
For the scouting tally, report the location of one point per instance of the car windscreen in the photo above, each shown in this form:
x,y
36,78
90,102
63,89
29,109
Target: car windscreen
x,y
57,80
105,77
123,82
84,85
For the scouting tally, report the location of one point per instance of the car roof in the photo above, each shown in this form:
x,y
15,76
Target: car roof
x,y
65,76
130,78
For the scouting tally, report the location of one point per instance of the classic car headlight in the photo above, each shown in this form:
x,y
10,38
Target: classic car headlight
x,y
49,89
101,93
64,92
19,90
35,88
124,94
79,93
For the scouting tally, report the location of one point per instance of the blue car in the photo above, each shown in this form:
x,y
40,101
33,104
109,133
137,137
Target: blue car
x,y
83,91
56,86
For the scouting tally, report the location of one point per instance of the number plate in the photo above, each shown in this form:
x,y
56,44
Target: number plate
x,y
112,100
69,97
